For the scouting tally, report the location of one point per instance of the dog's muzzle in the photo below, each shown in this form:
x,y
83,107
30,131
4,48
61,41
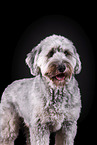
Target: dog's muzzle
x,y
59,73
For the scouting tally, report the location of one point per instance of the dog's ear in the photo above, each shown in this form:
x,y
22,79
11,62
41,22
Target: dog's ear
x,y
77,68
31,61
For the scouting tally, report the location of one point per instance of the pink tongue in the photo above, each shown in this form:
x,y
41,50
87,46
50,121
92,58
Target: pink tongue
x,y
60,78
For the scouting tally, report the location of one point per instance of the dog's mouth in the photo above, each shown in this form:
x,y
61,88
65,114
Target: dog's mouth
x,y
59,77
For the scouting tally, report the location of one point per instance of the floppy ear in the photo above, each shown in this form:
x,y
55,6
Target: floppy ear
x,y
31,61
77,68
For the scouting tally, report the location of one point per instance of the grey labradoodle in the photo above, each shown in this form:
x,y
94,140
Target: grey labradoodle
x,y
48,102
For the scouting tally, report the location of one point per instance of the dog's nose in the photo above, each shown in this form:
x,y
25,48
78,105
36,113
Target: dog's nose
x,y
61,68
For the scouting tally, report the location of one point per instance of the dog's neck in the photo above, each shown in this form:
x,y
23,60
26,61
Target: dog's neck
x,y
57,94
56,90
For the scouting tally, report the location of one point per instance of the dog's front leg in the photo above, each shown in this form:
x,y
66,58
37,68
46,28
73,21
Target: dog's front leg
x,y
66,135
39,135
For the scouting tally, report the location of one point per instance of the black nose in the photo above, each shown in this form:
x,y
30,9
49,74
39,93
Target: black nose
x,y
61,68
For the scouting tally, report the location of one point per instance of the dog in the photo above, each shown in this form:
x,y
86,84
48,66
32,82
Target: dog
x,y
48,102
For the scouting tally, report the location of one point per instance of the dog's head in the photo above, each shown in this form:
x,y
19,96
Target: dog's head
x,y
55,58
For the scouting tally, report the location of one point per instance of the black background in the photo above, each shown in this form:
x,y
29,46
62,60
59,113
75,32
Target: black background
x,y
22,30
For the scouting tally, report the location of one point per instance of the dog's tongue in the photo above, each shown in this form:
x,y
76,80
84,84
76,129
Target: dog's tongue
x,y
60,77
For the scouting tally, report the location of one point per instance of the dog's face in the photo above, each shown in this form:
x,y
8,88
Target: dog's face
x,y
55,58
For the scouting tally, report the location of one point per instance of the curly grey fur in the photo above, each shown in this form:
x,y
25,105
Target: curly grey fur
x,y
45,108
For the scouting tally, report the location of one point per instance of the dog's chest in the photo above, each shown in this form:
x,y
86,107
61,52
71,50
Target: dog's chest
x,y
53,117
55,110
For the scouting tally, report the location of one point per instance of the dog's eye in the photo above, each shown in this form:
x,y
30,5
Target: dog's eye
x,y
67,53
51,53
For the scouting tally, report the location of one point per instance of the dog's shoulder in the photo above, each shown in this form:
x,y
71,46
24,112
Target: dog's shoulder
x,y
18,88
14,86
24,87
